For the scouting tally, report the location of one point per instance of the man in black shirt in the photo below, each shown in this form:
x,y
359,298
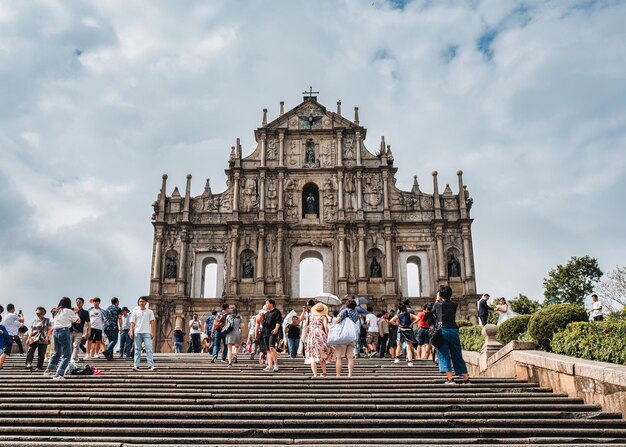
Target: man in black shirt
x,y
77,329
270,332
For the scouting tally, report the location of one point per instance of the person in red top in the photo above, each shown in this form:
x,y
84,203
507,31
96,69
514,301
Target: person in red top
x,y
423,340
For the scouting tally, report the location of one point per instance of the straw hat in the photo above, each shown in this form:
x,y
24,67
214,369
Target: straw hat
x,y
319,309
178,328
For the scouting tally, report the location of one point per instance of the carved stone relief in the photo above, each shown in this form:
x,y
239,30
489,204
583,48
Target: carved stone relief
x,y
248,195
329,200
293,153
372,191
349,149
272,149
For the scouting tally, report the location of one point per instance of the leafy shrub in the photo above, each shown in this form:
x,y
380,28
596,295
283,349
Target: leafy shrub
x,y
597,340
471,338
512,328
546,322
463,323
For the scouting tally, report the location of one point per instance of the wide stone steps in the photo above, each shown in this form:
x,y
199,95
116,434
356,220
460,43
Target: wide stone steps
x,y
189,402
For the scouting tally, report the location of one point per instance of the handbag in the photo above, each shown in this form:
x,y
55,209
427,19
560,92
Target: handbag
x,y
434,332
343,333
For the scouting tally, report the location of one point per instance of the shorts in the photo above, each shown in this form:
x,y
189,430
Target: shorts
x,y
344,350
8,347
95,335
407,336
372,338
422,336
1,351
271,341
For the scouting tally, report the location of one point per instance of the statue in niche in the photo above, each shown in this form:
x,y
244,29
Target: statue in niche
x,y
311,207
249,197
350,189
170,267
454,267
248,269
375,271
309,154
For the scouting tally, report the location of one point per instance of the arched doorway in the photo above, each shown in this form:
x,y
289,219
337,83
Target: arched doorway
x,y
209,279
413,279
311,275
313,267
311,201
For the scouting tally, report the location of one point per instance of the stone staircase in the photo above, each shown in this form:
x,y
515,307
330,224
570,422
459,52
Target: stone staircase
x,y
189,402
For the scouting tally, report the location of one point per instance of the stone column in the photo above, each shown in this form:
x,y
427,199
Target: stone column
x,y
339,149
281,178
161,214
281,148
233,254
440,258
436,197
187,199
342,253
462,204
361,239
340,190
467,252
388,253
263,137
358,148
279,260
236,192
182,270
156,273
262,191
260,259
359,191
385,190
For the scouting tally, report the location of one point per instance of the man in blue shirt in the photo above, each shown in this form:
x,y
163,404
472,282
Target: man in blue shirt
x,y
112,326
5,342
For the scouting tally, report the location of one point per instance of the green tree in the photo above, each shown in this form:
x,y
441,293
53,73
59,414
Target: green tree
x,y
524,305
572,282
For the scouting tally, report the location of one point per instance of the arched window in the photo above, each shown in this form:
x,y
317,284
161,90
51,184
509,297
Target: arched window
x,y
310,200
248,267
209,279
311,275
375,263
413,277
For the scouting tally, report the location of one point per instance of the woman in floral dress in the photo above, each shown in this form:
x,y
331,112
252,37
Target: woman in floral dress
x,y
317,350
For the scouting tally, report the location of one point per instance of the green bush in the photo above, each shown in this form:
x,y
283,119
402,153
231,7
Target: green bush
x,y
512,329
597,340
546,322
463,323
471,338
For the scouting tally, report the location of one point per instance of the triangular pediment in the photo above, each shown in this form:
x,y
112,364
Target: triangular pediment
x,y
310,115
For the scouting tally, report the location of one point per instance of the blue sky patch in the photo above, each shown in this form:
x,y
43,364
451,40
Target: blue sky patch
x,y
449,53
483,44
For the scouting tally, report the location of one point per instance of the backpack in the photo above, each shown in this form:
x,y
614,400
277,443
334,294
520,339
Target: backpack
x,y
228,325
80,370
219,322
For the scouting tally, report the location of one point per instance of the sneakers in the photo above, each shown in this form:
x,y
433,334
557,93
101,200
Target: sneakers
x,y
410,364
58,378
29,366
275,368
466,382
372,354
230,365
450,382
234,359
87,357
213,359
48,373
396,361
135,368
152,368
267,368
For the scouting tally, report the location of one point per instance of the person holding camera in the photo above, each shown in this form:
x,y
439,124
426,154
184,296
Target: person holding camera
x,y
195,331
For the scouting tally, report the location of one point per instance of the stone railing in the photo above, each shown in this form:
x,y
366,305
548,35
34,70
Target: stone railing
x,y
597,383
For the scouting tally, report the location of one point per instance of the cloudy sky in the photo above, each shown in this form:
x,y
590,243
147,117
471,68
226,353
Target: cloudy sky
x,y
99,99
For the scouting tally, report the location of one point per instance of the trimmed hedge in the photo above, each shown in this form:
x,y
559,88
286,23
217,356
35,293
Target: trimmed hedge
x,y
596,340
512,329
471,338
546,322
463,323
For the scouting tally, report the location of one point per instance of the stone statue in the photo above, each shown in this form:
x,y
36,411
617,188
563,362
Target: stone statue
x,y
170,268
248,269
375,271
310,155
454,267
311,207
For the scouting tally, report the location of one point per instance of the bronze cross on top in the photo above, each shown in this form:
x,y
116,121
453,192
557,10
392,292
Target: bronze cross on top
x,y
310,92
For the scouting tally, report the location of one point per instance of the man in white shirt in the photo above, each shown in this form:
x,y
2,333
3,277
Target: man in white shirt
x,y
142,326
595,311
96,318
372,331
13,322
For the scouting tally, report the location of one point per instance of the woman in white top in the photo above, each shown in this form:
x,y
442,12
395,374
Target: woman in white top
x,y
504,311
63,319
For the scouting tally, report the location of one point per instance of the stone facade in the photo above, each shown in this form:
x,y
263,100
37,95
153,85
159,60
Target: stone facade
x,y
310,188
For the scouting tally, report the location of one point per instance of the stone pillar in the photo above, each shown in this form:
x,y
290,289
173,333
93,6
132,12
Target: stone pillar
x,y
385,190
340,190
358,148
279,261
359,191
182,264
281,149
490,347
339,149
281,178
462,204
467,252
236,192
162,196
437,199
260,259
342,252
361,239
156,273
262,191
388,253
441,261
263,137
187,199
233,254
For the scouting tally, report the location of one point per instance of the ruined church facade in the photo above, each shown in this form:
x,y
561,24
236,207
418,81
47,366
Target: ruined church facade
x,y
309,189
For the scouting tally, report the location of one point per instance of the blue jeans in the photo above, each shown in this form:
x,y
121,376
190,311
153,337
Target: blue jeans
x,y
449,352
195,342
62,351
178,347
292,346
147,342
112,335
218,339
125,343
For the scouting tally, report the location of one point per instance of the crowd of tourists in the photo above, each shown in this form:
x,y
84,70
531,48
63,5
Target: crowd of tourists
x,y
321,337
71,331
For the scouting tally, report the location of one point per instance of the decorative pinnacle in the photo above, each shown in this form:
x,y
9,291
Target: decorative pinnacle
x,y
164,176
339,107
282,108
188,176
435,173
459,172
356,116
264,123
